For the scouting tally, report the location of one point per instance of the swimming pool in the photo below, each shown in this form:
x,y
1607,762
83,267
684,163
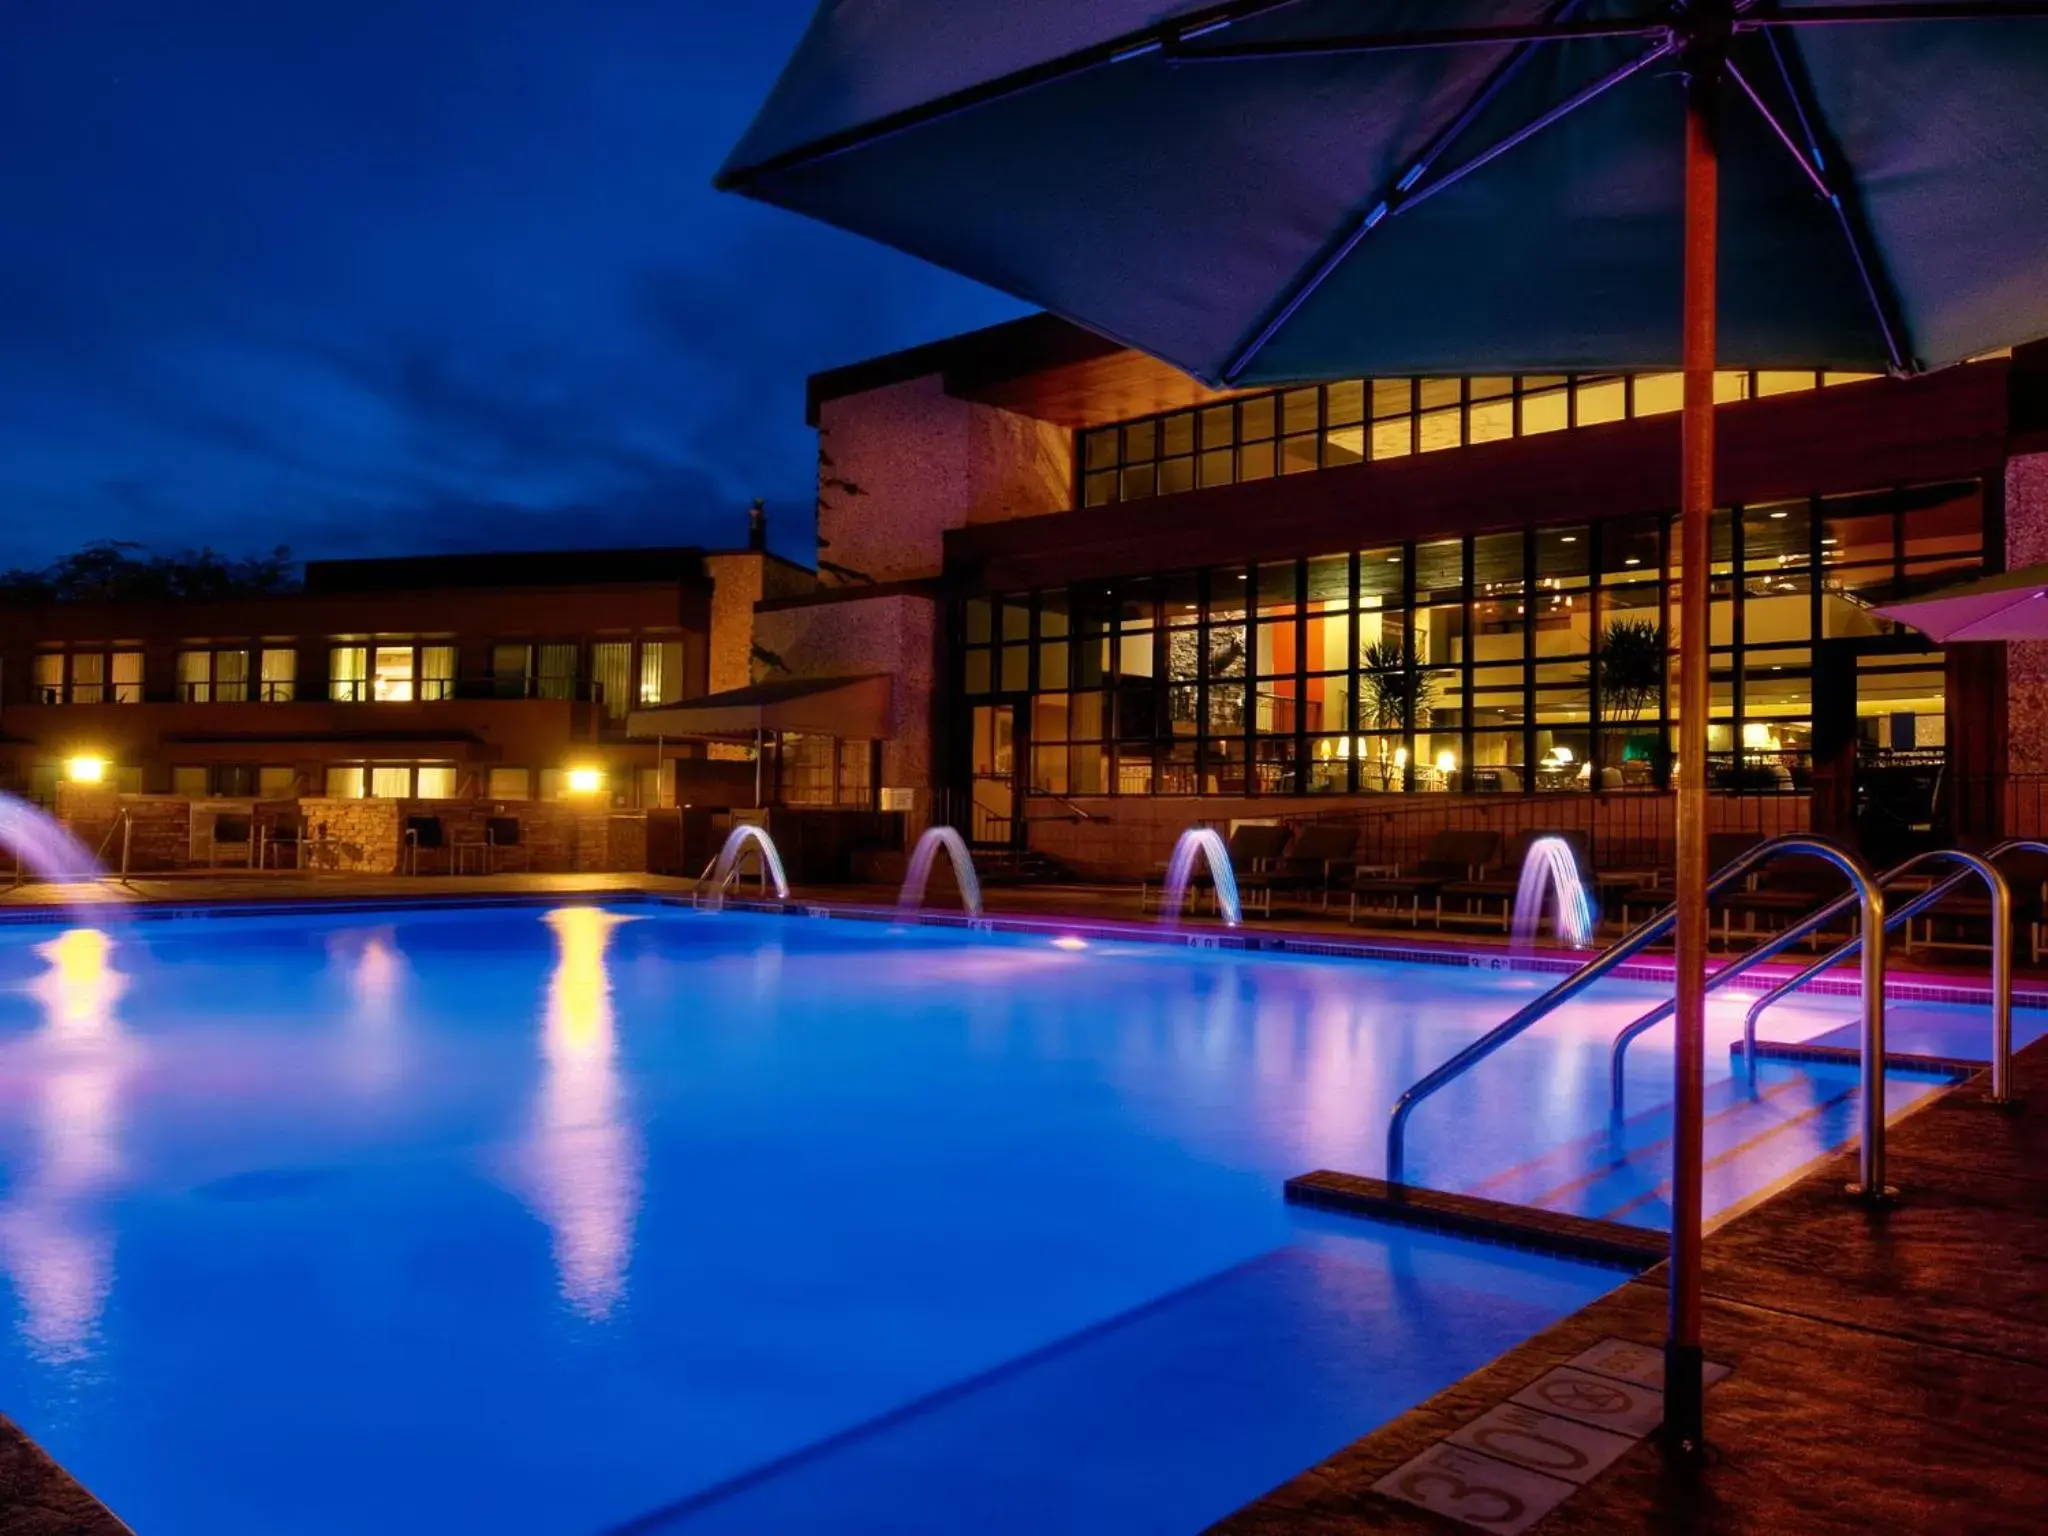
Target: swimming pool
x,y
592,1218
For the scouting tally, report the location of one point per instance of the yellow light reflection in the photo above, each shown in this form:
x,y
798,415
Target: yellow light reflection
x,y
58,1257
583,1154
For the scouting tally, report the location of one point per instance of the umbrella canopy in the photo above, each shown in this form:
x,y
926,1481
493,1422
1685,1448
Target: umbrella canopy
x,y
1268,191
1289,195
2008,607
1262,191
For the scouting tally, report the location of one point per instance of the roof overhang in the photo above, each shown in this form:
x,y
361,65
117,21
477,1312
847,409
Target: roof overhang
x,y
855,707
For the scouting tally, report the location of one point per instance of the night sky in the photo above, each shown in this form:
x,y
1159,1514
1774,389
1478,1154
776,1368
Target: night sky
x,y
380,276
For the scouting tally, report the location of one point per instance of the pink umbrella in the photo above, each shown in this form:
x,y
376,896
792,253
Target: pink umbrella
x,y
2008,607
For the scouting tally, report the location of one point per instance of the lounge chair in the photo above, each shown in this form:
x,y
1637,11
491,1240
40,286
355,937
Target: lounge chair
x,y
1252,848
1450,856
1317,858
1962,920
1787,890
1477,899
1646,900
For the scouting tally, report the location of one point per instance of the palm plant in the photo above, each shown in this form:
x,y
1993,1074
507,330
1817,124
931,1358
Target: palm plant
x,y
1394,693
1631,667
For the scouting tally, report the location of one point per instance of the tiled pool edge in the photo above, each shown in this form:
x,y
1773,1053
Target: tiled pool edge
x,y
1906,987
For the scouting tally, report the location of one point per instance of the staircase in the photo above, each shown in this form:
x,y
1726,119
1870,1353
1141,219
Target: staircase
x,y
1798,1112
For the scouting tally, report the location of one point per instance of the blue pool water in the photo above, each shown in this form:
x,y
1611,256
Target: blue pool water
x,y
631,1217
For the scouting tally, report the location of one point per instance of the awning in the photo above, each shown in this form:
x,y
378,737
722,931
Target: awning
x,y
856,707
2007,607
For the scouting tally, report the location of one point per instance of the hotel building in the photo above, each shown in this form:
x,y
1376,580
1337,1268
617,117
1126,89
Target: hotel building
x,y
1142,603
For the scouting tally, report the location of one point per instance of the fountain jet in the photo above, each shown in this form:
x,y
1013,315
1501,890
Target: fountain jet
x,y
1207,843
919,874
1551,866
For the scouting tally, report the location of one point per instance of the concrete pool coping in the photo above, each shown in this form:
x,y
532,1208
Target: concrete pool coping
x,y
1890,1362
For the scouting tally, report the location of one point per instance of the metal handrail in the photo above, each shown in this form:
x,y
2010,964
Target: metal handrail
x,y
1771,948
1646,934
2000,890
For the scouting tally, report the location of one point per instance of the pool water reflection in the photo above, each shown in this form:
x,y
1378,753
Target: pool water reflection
x,y
548,1220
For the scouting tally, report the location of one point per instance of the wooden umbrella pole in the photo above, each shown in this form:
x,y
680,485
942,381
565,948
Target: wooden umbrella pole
x,y
1684,1409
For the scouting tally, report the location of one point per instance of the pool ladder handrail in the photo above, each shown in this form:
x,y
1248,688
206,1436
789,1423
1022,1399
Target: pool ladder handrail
x,y
1982,867
1640,938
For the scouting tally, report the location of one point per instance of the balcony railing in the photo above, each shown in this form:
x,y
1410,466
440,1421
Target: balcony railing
x,y
426,690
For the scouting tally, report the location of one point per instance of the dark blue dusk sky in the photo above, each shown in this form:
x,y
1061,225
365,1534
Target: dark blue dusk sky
x,y
380,276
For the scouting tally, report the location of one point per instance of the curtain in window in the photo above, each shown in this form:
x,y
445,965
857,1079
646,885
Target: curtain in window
x,y
127,677
348,669
437,672
280,669
88,677
611,669
391,781
558,670
661,672
195,676
436,781
346,782
50,677
231,676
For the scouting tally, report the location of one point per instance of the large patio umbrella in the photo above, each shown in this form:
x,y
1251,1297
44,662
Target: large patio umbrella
x,y
1270,191
2012,606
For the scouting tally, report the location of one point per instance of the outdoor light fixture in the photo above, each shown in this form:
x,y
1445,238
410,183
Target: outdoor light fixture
x,y
585,781
86,769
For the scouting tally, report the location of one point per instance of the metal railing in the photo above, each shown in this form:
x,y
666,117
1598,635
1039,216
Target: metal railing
x,y
1867,894
1973,866
124,824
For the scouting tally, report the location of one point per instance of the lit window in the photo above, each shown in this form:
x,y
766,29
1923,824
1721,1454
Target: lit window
x,y
279,677
391,683
345,782
127,677
390,781
348,670
50,677
436,781
437,672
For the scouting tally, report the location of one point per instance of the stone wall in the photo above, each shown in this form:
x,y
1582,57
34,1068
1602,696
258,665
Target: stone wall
x,y
161,825
2026,661
902,464
739,581
895,633
357,836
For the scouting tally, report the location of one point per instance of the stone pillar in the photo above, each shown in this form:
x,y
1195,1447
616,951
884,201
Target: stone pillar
x,y
2026,661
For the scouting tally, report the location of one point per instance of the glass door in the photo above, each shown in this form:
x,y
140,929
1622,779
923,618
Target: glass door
x,y
996,818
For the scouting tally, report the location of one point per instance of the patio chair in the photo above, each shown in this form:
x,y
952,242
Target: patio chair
x,y
1450,856
1317,858
1962,920
423,834
231,839
1645,900
1786,890
287,835
1252,848
1480,899
503,846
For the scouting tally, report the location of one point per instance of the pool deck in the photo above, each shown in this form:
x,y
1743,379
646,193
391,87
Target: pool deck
x,y
1890,1365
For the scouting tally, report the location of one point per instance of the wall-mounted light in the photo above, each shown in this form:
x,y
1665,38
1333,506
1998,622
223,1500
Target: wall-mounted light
x,y
86,769
585,781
